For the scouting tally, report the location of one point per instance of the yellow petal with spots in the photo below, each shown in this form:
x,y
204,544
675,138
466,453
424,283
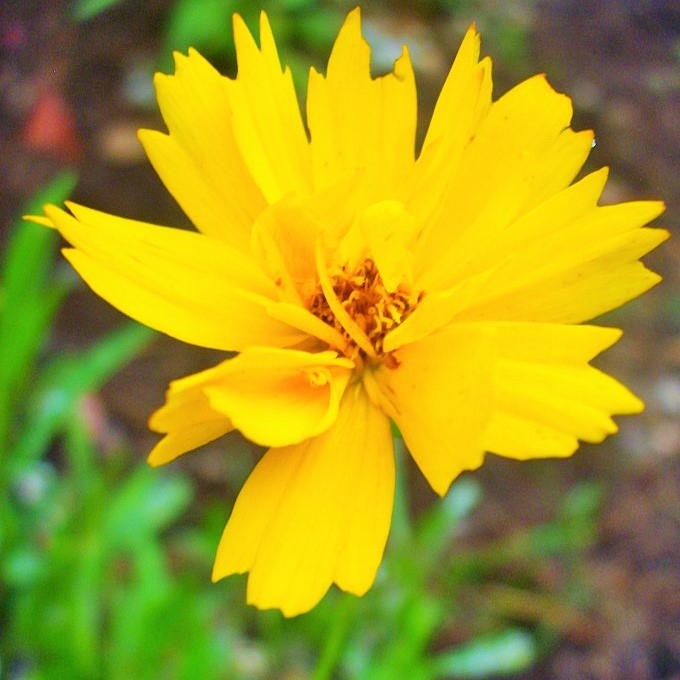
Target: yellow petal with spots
x,y
279,397
315,514
441,397
191,286
199,161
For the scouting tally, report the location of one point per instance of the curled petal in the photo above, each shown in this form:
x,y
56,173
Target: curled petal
x,y
278,397
187,419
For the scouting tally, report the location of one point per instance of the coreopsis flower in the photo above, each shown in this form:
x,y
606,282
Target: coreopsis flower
x,y
361,283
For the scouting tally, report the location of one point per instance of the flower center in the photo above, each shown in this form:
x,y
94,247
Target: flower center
x,y
372,309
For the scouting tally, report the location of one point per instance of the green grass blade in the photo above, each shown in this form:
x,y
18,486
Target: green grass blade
x,y
29,299
67,379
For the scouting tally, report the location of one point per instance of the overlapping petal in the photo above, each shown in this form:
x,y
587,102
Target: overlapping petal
x,y
523,125
315,514
387,229
493,238
575,273
533,180
441,397
187,419
284,238
199,160
191,286
279,397
547,396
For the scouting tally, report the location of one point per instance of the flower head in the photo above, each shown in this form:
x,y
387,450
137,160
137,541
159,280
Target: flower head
x,y
361,283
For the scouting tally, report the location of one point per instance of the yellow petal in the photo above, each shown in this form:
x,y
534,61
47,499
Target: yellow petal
x,y
434,311
524,437
456,90
441,396
314,514
462,104
190,286
284,239
576,273
558,343
199,161
358,123
279,397
387,229
499,227
548,397
266,117
521,126
187,419
484,247
312,326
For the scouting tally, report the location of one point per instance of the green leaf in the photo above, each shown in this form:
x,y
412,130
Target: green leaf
x,y
411,627
88,9
29,298
510,651
437,525
147,503
202,24
67,379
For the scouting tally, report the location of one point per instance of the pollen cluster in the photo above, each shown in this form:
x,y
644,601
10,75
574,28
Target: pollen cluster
x,y
373,309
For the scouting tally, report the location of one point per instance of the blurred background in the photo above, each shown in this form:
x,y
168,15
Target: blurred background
x,y
554,569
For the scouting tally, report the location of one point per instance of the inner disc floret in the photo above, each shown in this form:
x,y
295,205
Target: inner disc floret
x,y
374,310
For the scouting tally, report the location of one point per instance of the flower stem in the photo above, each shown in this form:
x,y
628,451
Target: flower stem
x,y
334,643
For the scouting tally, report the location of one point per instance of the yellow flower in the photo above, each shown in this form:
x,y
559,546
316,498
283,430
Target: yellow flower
x,y
362,283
